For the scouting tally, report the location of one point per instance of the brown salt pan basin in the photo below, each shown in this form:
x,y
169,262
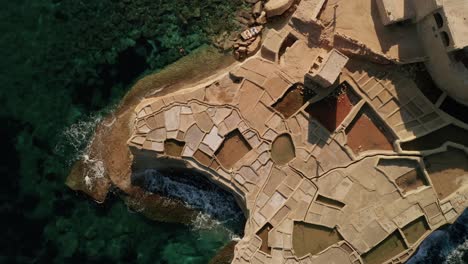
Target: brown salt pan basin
x,y
309,238
233,148
367,132
173,147
411,180
447,170
292,100
282,149
332,110
263,234
390,247
415,230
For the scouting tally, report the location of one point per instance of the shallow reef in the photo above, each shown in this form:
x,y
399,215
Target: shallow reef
x,y
64,65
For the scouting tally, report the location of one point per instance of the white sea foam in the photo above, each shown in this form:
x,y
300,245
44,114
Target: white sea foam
x,y
75,143
75,139
94,170
217,209
458,254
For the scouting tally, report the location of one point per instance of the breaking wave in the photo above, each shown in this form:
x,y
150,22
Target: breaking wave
x,y
94,170
217,208
459,255
75,139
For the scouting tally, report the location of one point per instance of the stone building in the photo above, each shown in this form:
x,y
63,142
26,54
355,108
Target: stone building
x,y
326,69
443,32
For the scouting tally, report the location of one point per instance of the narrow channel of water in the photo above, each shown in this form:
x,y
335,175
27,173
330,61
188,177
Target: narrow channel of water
x,y
216,207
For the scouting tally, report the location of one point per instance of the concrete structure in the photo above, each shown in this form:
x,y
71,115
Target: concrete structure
x,y
450,17
443,31
277,7
444,37
393,11
326,69
308,10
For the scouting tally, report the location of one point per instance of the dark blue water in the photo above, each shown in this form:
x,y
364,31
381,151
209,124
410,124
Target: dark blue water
x,y
448,245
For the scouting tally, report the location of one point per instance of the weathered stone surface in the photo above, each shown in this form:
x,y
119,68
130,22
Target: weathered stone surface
x,y
333,179
212,139
257,8
261,19
277,7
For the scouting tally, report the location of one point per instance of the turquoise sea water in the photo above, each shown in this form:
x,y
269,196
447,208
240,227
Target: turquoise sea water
x,y
64,64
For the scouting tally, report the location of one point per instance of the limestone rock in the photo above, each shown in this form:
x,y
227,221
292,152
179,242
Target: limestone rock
x,y
227,45
243,20
254,46
261,20
245,14
277,7
257,9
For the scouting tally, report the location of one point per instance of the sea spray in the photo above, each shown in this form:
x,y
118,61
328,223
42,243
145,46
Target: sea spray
x,y
459,255
217,209
75,139
94,170
205,221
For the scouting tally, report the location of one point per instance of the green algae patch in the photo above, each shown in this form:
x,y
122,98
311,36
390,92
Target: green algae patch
x,y
225,255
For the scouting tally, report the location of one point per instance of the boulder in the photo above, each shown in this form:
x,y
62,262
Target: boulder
x,y
227,45
243,20
261,20
257,9
254,46
277,7
245,14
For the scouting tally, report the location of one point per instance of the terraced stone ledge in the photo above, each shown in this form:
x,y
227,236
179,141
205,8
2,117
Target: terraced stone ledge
x,y
322,174
371,196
